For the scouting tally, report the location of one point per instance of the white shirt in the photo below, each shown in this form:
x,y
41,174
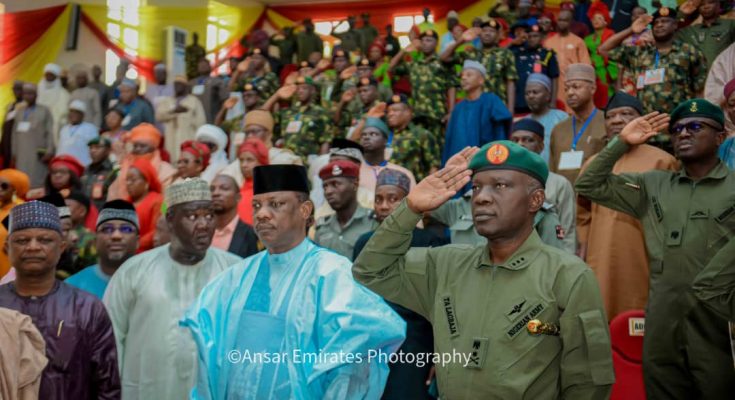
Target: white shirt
x,y
73,141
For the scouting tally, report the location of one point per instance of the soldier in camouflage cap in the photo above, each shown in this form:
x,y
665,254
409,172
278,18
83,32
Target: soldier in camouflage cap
x,y
411,145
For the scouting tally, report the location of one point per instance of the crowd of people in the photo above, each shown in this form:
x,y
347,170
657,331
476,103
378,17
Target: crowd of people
x,y
501,191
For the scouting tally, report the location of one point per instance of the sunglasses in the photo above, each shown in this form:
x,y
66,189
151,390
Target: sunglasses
x,y
692,127
110,229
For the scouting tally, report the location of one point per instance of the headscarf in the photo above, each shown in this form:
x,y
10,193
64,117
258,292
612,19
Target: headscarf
x,y
729,89
598,7
255,147
198,150
18,179
146,133
69,162
149,174
218,159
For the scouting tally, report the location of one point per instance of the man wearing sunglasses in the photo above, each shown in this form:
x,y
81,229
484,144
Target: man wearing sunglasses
x,y
688,216
116,240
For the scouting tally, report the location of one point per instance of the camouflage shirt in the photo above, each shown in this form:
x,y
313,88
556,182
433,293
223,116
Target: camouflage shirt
x,y
415,149
304,128
684,76
266,84
500,65
430,81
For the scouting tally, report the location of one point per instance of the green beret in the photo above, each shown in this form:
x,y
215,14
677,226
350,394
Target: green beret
x,y
504,154
697,108
377,123
100,140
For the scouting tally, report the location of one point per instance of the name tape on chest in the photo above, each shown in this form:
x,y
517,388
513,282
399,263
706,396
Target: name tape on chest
x,y
521,324
451,316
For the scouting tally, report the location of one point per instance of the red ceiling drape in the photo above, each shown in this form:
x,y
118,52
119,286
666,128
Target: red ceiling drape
x,y
20,30
381,11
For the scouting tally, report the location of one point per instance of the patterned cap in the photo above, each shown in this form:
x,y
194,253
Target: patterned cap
x,y
392,177
34,214
339,169
504,154
188,190
118,210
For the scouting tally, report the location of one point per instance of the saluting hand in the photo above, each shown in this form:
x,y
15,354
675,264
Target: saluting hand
x,y
378,110
643,128
348,72
286,92
437,188
640,24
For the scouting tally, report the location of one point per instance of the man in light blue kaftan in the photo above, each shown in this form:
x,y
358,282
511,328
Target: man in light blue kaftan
x,y
290,322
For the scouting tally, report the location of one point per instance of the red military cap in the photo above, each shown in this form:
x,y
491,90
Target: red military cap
x,y
340,169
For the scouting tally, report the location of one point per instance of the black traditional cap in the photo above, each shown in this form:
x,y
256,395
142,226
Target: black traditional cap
x,y
367,82
57,200
528,124
429,32
280,178
340,143
398,98
79,196
622,99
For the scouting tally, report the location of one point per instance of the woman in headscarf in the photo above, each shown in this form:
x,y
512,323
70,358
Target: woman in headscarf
x,y
145,140
144,191
216,139
193,159
14,185
727,148
607,72
250,154
116,134
64,173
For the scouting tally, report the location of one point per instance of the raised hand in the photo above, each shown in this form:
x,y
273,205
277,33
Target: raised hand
x,y
470,34
243,65
286,92
437,188
462,159
323,64
230,102
348,95
348,72
643,128
291,79
640,24
378,110
690,6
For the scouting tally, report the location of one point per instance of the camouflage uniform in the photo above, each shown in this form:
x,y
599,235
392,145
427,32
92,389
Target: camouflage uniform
x,y
684,78
352,113
500,65
266,84
430,81
87,249
315,128
415,149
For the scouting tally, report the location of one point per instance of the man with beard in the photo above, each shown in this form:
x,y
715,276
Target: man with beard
x,y
116,240
150,292
668,71
340,231
296,299
528,316
538,99
80,344
230,233
688,217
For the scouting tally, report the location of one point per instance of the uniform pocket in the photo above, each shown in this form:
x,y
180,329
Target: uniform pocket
x,y
597,346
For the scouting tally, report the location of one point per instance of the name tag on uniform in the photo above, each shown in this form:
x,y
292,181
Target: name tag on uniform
x,y
571,160
654,76
24,126
388,152
293,127
126,120
197,90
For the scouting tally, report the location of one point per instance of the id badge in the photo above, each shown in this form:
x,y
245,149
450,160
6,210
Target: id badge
x,y
655,76
293,127
98,190
571,160
197,90
641,82
24,126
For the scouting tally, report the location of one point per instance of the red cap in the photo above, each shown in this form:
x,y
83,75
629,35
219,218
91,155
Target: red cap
x,y
198,150
70,162
340,169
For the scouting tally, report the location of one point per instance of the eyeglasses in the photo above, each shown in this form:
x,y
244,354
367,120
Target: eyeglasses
x,y
253,131
692,127
110,229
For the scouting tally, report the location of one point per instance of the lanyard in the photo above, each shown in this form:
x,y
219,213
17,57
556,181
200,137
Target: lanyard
x,y
658,57
578,135
390,140
28,111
